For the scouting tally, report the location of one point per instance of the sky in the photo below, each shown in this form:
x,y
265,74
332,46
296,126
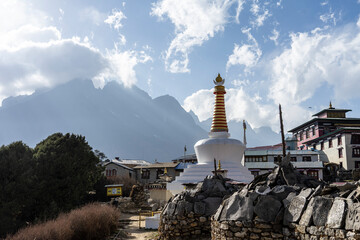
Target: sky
x,y
300,54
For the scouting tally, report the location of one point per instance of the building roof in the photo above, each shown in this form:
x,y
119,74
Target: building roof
x,y
159,165
133,161
183,165
270,147
186,157
116,162
331,110
334,120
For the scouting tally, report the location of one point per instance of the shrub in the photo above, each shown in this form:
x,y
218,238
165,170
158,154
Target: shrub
x,y
91,222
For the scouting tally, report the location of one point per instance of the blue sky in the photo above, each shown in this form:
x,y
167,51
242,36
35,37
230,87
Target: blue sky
x,y
301,54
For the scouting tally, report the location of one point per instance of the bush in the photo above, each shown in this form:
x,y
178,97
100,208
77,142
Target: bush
x,y
91,222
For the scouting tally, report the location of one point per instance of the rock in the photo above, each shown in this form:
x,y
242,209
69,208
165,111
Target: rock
x,y
202,219
180,209
267,208
352,216
189,207
306,192
288,199
322,207
281,191
336,214
171,208
199,208
294,210
239,208
211,205
306,218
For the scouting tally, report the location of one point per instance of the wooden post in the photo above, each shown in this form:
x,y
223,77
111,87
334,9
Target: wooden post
x,y
282,132
215,171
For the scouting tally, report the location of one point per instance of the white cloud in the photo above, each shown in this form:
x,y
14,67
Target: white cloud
x,y
260,14
115,19
34,55
247,54
274,37
93,15
328,17
239,106
358,21
314,59
195,21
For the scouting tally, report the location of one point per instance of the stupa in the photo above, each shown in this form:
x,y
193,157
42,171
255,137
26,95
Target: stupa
x,y
218,146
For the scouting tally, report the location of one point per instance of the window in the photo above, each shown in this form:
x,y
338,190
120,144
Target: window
x,y
356,152
340,152
255,159
314,146
307,134
341,165
306,159
330,143
313,173
114,172
293,159
313,131
322,146
339,140
159,172
145,173
355,139
301,136
108,172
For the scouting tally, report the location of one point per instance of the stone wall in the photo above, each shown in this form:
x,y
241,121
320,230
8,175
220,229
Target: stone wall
x,y
188,214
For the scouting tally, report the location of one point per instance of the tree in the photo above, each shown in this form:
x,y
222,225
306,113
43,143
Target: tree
x,y
16,182
66,170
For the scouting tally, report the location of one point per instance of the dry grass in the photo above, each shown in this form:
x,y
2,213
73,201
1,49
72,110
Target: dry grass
x,y
91,222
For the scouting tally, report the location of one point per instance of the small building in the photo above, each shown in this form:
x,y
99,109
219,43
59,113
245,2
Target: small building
x,y
114,168
260,161
152,173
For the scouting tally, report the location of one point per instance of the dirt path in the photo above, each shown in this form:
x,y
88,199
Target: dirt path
x,y
133,228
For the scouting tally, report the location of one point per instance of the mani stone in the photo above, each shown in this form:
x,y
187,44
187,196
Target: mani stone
x,y
336,214
211,205
288,199
353,216
294,210
306,192
188,207
306,218
199,208
267,208
281,191
322,207
238,208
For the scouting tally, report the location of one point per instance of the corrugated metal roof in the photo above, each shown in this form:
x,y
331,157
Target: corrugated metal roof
x,y
159,165
271,165
116,162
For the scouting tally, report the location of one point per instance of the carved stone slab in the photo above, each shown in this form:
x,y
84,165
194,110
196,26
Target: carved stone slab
x,y
337,214
294,210
352,220
322,208
306,218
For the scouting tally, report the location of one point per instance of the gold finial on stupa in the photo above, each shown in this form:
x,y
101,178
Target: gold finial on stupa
x,y
219,166
330,106
165,170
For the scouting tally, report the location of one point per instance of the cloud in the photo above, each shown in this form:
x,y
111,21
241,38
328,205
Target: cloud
x,y
93,15
328,17
239,106
115,19
247,54
195,21
35,55
260,14
312,60
274,37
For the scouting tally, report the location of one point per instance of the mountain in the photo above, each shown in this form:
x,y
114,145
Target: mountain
x,y
118,121
255,137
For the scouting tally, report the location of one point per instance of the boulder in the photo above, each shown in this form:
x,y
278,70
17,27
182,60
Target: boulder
x,y
238,208
211,205
353,216
199,208
306,218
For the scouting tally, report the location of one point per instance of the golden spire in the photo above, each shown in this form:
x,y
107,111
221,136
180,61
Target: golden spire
x,y
219,123
330,106
165,170
219,165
